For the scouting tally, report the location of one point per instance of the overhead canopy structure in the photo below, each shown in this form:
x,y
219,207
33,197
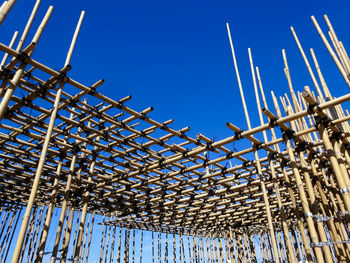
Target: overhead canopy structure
x,y
66,145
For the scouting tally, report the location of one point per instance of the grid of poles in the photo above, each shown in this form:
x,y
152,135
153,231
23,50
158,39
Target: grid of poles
x,y
70,152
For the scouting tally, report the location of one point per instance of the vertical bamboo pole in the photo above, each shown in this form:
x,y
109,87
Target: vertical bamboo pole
x,y
281,247
174,248
221,249
311,194
7,234
181,249
25,220
291,193
332,157
263,245
103,235
252,251
64,207
107,243
68,185
245,242
240,251
35,235
29,232
232,249
14,81
28,26
307,63
126,247
159,247
111,256
67,234
212,252
4,222
6,55
303,198
258,165
141,247
215,246
120,242
219,241
271,164
152,246
133,245
50,209
227,248
6,9
195,256
13,232
90,236
295,243
262,184
341,54
84,210
331,52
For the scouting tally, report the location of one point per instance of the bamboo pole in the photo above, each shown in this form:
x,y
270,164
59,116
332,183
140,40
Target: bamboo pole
x,y
120,241
10,241
103,238
232,249
152,247
133,245
29,50
50,209
90,236
330,50
273,172
6,9
174,248
141,249
29,232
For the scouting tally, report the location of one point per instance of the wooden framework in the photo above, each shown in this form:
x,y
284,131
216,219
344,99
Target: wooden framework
x,y
66,146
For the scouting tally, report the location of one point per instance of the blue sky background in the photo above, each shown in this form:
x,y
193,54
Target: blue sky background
x,y
175,55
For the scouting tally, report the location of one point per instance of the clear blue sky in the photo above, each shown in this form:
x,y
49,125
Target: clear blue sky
x,y
175,55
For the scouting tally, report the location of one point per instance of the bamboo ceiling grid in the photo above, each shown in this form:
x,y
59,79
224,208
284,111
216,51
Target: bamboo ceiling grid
x,y
57,148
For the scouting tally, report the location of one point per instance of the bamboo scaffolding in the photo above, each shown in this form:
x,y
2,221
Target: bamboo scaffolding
x,y
109,160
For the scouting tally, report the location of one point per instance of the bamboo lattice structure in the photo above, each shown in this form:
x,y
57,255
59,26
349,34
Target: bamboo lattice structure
x,y
69,152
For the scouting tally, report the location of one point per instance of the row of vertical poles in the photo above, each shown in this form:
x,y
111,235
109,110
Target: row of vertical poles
x,y
10,216
127,245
